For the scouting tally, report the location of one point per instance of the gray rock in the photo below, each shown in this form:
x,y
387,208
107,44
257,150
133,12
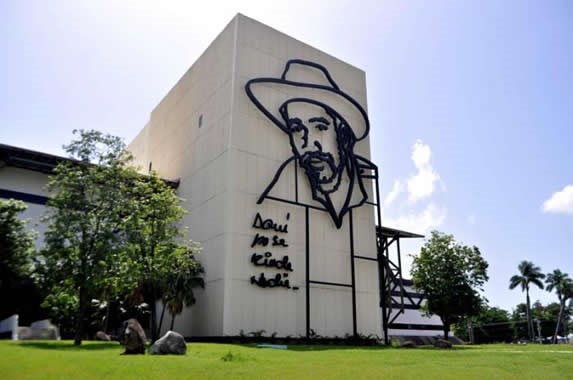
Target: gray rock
x,y
408,344
24,333
133,337
170,343
42,324
28,333
441,343
100,335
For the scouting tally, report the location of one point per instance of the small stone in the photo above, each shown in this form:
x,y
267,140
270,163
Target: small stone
x,y
24,333
170,343
441,343
408,344
100,335
39,330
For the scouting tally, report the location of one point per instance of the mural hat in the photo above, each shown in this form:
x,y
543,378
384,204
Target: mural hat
x,y
304,80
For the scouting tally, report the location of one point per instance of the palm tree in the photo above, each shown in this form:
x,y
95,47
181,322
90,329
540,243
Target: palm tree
x,y
178,284
529,273
563,286
180,292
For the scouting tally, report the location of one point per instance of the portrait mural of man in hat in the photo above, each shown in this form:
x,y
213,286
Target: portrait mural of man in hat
x,y
323,125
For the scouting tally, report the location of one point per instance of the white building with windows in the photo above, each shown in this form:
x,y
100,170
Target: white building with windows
x,y
268,139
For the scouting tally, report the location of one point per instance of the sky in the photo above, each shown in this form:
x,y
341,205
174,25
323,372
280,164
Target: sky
x,y
470,102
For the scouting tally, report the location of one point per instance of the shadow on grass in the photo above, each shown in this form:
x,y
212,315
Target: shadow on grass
x,y
313,348
69,346
432,348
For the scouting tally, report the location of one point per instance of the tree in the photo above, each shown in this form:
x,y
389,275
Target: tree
x,y
61,306
563,286
529,273
155,240
179,285
84,256
16,244
519,321
491,325
449,275
545,317
16,252
111,230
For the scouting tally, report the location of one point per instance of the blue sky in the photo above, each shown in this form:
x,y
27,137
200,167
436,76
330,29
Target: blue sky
x,y
471,102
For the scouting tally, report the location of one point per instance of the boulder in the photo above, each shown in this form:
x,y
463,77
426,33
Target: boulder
x,y
408,344
441,343
24,333
42,324
36,333
133,337
100,335
170,343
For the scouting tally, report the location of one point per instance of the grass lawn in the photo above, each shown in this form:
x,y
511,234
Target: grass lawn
x,y
95,360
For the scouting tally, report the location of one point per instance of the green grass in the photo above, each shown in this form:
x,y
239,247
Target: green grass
x,y
94,360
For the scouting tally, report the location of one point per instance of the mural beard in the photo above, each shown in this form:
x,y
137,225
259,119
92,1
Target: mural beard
x,y
315,114
322,170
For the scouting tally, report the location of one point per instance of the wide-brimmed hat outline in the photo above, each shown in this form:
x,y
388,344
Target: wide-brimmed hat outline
x,y
317,92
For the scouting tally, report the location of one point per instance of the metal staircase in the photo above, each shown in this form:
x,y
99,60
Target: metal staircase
x,y
394,298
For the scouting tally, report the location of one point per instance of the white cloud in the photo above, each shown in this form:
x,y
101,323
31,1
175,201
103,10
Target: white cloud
x,y
419,186
421,154
423,183
423,222
560,201
397,189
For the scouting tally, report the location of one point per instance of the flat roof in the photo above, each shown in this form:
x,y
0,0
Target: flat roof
x,y
40,161
29,159
392,232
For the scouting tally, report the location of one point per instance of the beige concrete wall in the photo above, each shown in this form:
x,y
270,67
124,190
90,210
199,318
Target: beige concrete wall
x,y
179,148
226,164
258,148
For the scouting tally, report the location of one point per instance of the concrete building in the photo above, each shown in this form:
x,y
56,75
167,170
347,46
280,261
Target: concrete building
x,y
207,133
268,138
24,176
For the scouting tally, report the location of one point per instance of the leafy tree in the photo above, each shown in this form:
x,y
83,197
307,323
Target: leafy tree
x,y
563,286
544,319
62,306
179,285
529,273
83,256
540,315
491,325
519,321
16,244
155,240
548,312
17,291
112,231
450,276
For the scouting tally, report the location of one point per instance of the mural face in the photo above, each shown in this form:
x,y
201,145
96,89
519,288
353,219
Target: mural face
x,y
323,125
313,132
